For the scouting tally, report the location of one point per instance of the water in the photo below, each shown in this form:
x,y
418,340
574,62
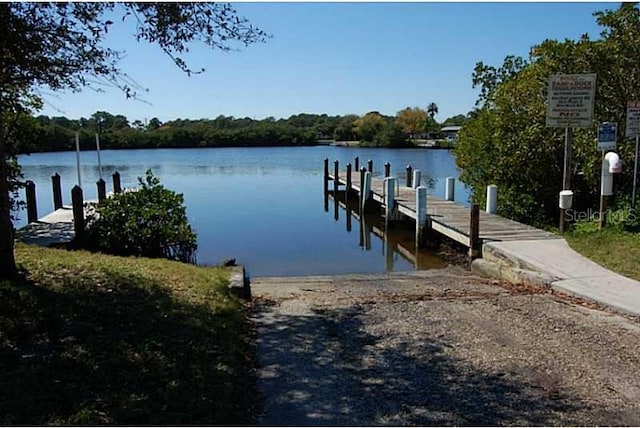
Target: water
x,y
262,206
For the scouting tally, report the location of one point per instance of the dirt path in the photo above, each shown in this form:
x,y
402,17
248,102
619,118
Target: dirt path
x,y
439,347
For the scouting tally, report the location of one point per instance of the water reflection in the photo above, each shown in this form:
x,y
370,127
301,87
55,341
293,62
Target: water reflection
x,y
397,238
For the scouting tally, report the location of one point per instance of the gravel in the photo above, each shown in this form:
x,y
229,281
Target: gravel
x,y
439,347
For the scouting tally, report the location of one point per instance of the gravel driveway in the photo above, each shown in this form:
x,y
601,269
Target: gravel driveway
x,y
439,347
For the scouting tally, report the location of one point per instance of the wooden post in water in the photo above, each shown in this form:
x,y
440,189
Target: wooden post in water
x,y
387,169
325,184
389,199
356,164
370,166
417,177
102,190
363,171
336,178
77,201
32,209
474,232
421,217
57,191
409,175
117,188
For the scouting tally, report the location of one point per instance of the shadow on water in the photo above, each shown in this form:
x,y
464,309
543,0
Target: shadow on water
x,y
325,369
398,237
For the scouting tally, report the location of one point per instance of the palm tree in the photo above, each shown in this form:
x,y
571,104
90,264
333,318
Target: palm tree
x,y
432,109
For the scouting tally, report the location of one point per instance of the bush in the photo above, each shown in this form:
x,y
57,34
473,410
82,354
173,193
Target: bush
x,y
150,221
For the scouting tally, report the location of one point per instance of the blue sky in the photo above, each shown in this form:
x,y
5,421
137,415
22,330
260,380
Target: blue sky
x,y
336,58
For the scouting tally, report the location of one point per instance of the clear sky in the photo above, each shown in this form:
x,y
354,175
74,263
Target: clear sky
x,y
336,58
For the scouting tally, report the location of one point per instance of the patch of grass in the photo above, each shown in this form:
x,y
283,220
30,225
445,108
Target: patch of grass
x,y
612,247
95,339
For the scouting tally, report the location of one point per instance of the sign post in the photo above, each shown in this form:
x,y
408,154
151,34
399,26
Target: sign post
x,y
570,105
607,135
633,130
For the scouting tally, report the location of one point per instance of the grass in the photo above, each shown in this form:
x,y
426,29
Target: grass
x,y
88,339
612,247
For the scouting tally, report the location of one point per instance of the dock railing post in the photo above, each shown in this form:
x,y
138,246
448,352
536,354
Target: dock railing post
x,y
32,209
449,189
417,177
102,190
117,188
409,175
474,232
77,201
57,191
421,216
387,169
356,164
370,166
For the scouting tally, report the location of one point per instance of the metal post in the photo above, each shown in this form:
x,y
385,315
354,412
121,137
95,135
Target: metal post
x,y
57,191
32,209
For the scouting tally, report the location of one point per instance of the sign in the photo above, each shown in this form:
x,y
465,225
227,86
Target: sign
x,y
570,100
633,119
607,133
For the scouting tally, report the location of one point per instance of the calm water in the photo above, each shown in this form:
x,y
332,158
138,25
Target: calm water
x,y
262,206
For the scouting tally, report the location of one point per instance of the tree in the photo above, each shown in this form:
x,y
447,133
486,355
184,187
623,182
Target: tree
x,y
369,125
432,109
392,135
506,141
412,120
61,46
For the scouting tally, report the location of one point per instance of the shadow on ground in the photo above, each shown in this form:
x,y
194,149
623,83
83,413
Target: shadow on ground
x,y
123,351
324,369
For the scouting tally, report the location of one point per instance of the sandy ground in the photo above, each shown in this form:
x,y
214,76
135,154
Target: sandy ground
x,y
439,347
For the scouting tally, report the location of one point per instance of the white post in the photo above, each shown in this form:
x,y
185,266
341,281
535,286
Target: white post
x,y
416,178
421,214
98,150
365,189
450,189
390,197
492,199
78,157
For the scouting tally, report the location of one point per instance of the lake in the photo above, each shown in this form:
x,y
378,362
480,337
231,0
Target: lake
x,y
262,206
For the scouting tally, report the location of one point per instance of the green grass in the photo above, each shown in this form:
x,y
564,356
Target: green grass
x,y
612,247
95,339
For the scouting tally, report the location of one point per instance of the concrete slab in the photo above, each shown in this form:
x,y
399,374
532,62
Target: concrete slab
x,y
574,273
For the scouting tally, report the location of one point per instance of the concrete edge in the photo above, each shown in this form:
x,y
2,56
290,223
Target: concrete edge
x,y
239,284
496,255
564,287
514,275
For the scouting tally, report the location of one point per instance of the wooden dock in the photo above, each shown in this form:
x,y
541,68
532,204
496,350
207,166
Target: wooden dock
x,y
448,218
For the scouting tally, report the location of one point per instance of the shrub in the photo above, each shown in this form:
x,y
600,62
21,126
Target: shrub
x,y
150,221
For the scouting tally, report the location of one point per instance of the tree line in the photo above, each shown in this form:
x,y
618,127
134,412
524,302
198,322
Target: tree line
x,y
49,134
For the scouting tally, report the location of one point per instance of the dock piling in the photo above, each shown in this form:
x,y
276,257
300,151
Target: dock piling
x,y
474,232
492,199
57,191
326,175
370,166
449,190
32,209
77,200
417,176
117,188
409,175
389,199
421,216
356,164
387,169
348,185
102,190
366,191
